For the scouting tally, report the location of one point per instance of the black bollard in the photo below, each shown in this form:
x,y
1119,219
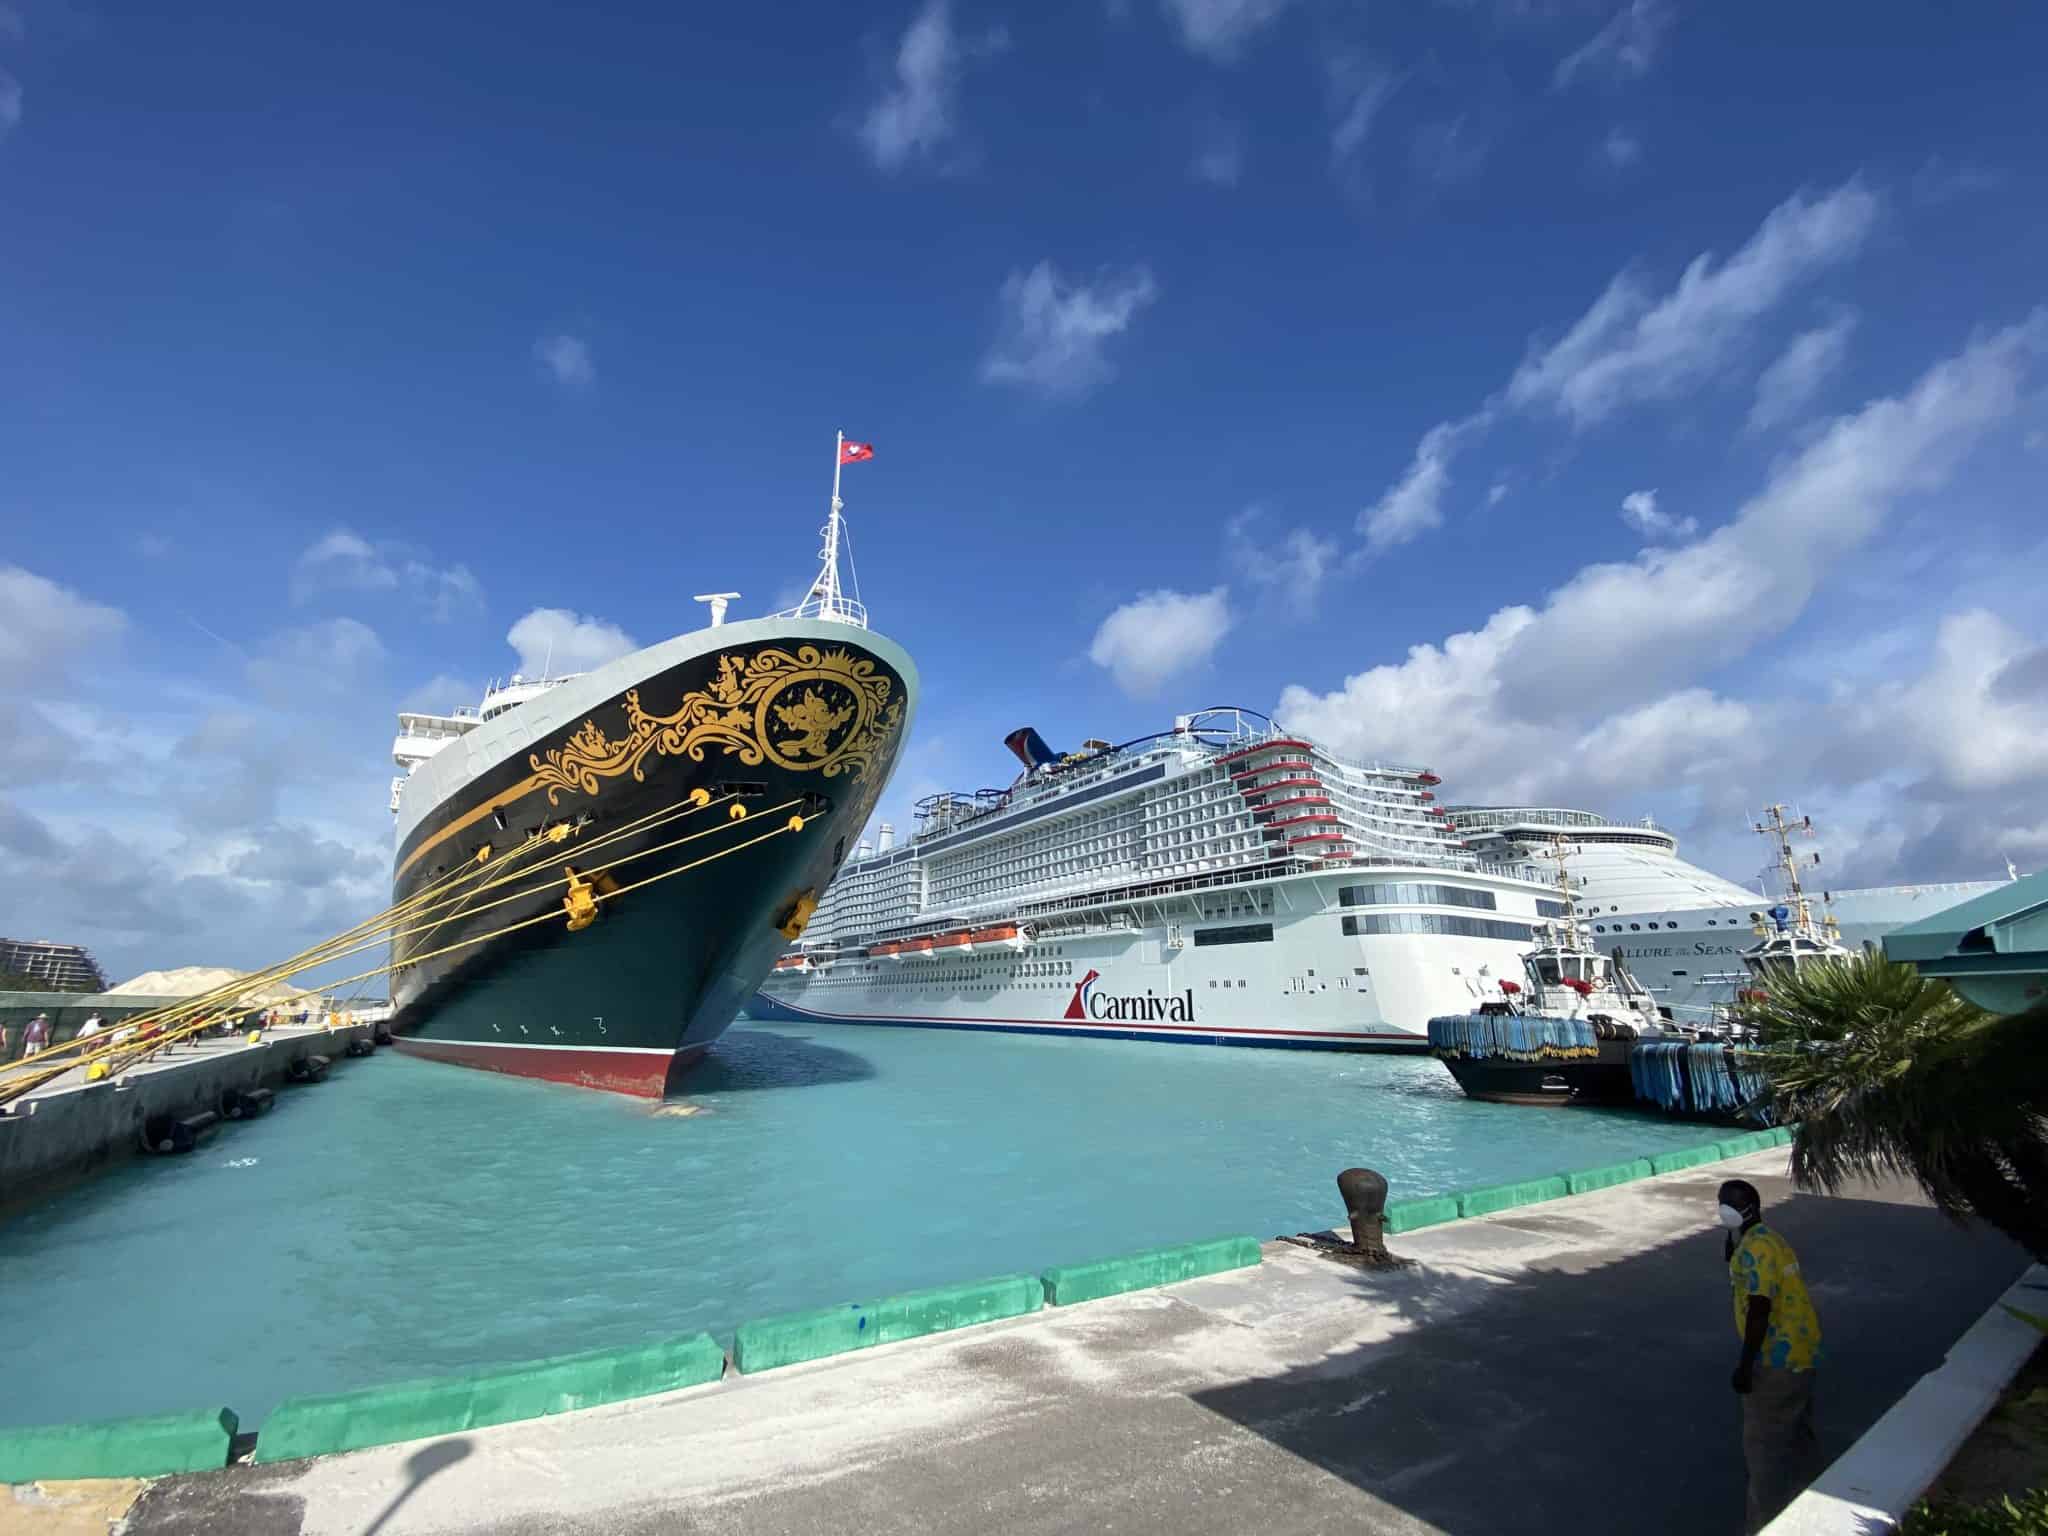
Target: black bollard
x,y
1365,1202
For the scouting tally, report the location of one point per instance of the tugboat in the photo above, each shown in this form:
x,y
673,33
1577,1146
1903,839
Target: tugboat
x,y
1564,1035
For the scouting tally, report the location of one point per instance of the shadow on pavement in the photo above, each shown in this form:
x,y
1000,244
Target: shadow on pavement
x,y
1595,1397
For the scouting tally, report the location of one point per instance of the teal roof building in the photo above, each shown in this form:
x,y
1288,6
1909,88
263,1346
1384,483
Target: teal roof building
x,y
1993,949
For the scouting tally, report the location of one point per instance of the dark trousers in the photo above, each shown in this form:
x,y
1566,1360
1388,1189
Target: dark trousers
x,y
1777,1440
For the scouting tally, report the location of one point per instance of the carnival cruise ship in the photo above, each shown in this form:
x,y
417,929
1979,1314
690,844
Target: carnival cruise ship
x,y
1681,929
1226,881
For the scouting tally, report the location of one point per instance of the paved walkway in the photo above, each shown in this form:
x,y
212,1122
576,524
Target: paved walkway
x,y
1561,1367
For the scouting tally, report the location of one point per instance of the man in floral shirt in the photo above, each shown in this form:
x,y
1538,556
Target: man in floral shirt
x,y
1780,1335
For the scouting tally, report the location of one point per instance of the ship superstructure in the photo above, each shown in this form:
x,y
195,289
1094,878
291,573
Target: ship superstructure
x,y
1225,881
1682,930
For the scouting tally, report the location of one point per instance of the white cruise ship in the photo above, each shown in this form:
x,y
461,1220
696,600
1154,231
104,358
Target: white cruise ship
x,y
1681,929
1224,882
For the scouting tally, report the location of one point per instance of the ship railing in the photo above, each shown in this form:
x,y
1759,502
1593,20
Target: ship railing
x,y
838,610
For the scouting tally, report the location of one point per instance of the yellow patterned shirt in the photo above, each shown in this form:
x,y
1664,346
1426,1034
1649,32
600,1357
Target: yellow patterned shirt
x,y
1764,1264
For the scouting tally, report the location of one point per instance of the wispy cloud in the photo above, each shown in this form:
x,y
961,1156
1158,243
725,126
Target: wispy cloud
x,y
1218,29
1219,154
567,359
345,561
1621,149
1355,89
1054,333
1414,504
1448,152
1634,345
916,116
1799,372
1161,635
1624,49
1640,511
1288,567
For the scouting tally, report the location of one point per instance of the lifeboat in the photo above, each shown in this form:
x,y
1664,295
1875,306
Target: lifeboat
x,y
890,949
1001,933
951,941
917,947
1426,777
790,963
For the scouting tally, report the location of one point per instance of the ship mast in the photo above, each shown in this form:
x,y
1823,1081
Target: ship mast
x,y
1573,936
1780,828
826,599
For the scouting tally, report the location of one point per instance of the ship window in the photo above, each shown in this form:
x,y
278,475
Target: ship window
x,y
1635,927
1678,971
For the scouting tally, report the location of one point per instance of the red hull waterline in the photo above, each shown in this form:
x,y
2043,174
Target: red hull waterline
x,y
640,1072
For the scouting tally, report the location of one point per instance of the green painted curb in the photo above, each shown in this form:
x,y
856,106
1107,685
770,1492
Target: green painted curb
x,y
1430,1211
418,1410
1686,1157
1505,1197
769,1342
1066,1284
1754,1141
151,1447
1781,1135
1585,1180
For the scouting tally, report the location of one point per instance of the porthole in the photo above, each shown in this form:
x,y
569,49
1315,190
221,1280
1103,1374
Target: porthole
x,y
1635,927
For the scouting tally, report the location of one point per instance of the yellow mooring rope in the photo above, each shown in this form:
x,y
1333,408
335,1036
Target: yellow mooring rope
x,y
191,1015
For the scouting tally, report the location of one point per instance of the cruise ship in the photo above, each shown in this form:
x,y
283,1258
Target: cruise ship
x,y
595,872
1226,881
1681,929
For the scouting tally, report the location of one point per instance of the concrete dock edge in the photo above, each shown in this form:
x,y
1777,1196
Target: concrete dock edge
x,y
419,1410
1066,1284
155,1446
1873,1483
789,1339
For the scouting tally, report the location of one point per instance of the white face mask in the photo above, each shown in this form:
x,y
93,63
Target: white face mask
x,y
1731,1218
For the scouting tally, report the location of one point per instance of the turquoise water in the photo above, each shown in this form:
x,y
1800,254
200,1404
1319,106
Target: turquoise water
x,y
406,1218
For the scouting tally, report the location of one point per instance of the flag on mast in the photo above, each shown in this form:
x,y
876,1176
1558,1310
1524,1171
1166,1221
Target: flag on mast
x,y
853,453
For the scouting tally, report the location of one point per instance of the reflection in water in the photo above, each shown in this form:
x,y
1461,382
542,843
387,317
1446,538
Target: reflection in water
x,y
409,1219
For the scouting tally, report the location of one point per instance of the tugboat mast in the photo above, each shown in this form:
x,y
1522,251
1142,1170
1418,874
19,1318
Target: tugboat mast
x,y
1778,825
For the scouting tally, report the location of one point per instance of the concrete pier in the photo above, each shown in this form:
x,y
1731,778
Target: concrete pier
x,y
1560,1366
70,1126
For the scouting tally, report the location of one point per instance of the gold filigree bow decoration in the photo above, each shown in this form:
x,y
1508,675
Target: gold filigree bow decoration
x,y
810,710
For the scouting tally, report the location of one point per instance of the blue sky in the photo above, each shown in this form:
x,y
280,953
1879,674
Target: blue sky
x,y
1640,406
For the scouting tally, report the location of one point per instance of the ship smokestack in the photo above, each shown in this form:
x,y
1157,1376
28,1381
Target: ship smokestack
x,y
885,839
1030,748
862,849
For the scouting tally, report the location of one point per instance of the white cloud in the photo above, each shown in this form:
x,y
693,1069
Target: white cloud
x,y
47,626
345,561
917,113
558,640
1503,704
1219,155
1160,635
1414,504
1800,371
1973,729
1217,29
1290,567
1448,152
1053,333
567,358
1621,149
1640,511
441,693
1356,91
1624,49
1632,345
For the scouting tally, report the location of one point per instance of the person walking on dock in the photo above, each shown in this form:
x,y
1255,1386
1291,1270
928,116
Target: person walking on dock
x,y
1780,1335
36,1036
